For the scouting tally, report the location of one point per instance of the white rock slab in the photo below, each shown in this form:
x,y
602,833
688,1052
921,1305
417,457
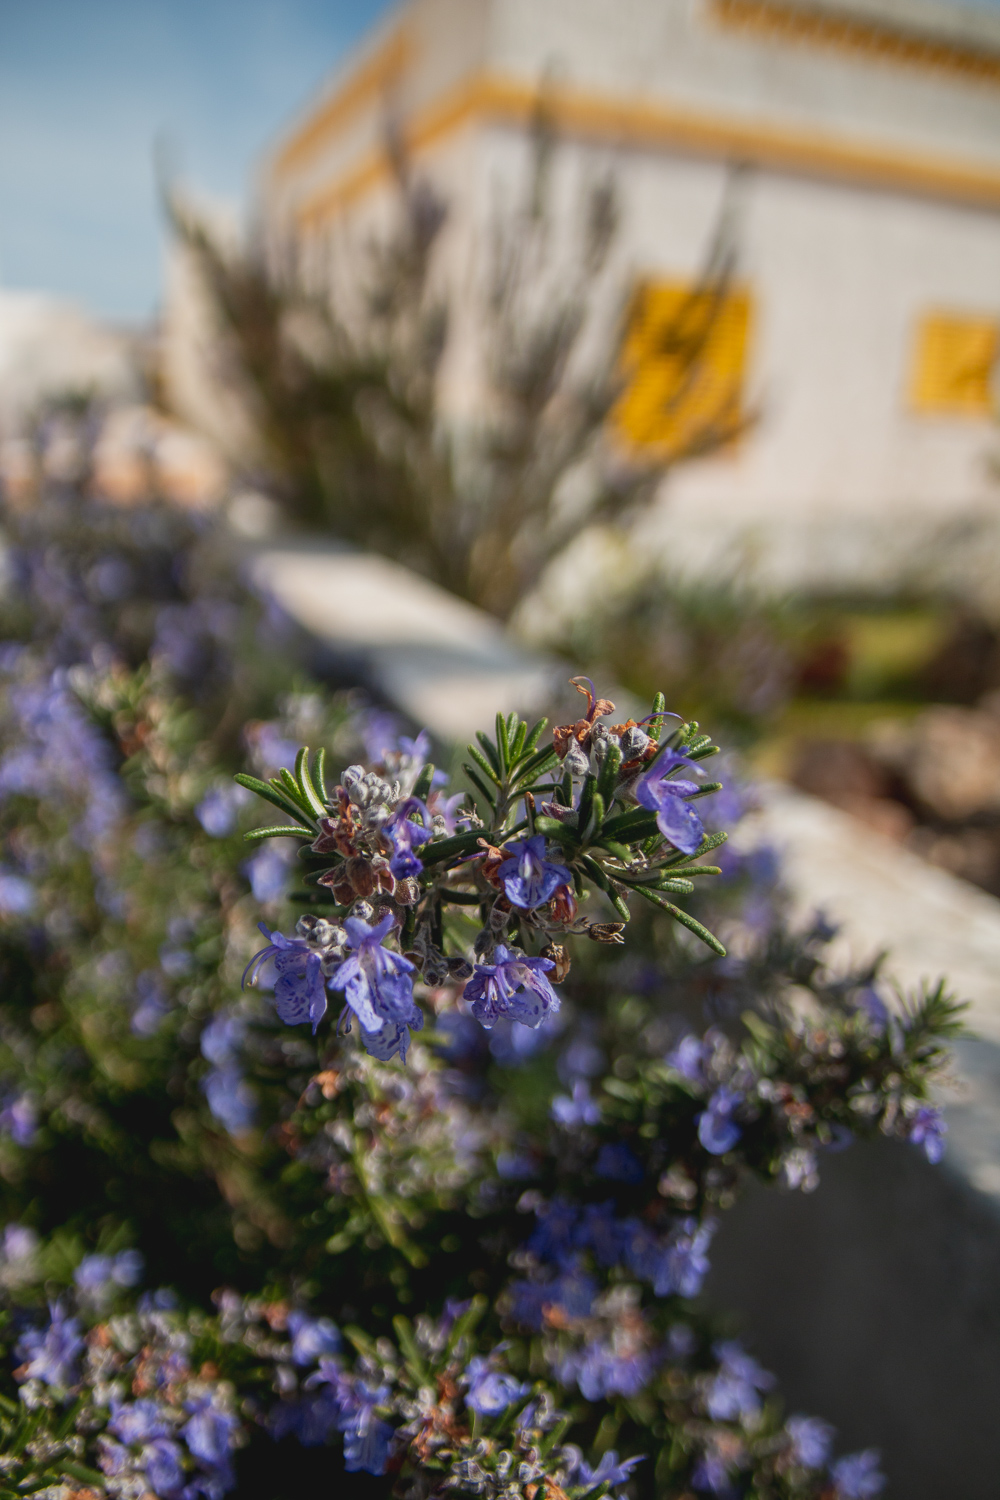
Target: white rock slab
x,y
446,664
884,897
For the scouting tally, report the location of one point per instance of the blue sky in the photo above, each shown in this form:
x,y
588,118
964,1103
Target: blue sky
x,y
88,86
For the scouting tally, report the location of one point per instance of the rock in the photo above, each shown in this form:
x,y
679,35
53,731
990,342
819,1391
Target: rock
x,y
949,759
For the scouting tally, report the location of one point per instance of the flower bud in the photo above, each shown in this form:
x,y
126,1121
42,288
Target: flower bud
x,y
606,932
634,742
407,891
558,955
361,876
336,881
499,913
576,760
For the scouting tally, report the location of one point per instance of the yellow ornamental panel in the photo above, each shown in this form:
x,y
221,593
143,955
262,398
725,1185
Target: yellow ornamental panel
x,y
954,365
684,358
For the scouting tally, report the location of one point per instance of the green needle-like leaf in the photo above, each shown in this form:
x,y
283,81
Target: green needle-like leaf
x,y
316,806
483,764
275,796
424,782
684,918
256,835
319,775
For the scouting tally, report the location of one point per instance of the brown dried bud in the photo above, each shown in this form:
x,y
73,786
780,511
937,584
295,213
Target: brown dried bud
x,y
336,880
435,970
459,968
407,891
606,932
494,858
563,906
361,876
558,955
328,1081
499,912
326,843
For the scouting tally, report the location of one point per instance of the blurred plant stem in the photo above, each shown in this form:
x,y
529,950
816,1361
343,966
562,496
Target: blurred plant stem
x,y
339,377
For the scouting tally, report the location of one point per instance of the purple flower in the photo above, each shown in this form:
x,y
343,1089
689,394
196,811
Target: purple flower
x,y
681,1341
312,1338
512,1043
161,1460
684,1264
271,750
871,1004
17,896
688,1059
574,1292
230,1098
209,1433
599,1372
581,1059
529,879
555,1235
926,1128
267,873
138,1421
733,1392
811,1438
406,836
299,993
418,749
377,986
528,1301
366,1437
98,1276
490,1392
222,1038
19,1118
711,1473
310,1420
857,1476
609,1471
445,808
675,1265
150,1004
717,1130
392,1037
379,732
603,1233
19,1242
366,1446
217,810
514,986
51,1355
619,1163
578,1110
675,818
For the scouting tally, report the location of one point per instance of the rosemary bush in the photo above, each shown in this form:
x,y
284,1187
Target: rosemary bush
x,y
425,1206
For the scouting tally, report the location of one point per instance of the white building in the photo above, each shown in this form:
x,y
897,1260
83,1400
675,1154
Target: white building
x,y
868,231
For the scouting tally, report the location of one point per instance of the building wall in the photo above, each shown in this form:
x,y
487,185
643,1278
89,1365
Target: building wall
x,y
869,199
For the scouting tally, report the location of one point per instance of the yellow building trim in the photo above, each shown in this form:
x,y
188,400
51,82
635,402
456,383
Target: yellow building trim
x,y
879,40
610,121
373,79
